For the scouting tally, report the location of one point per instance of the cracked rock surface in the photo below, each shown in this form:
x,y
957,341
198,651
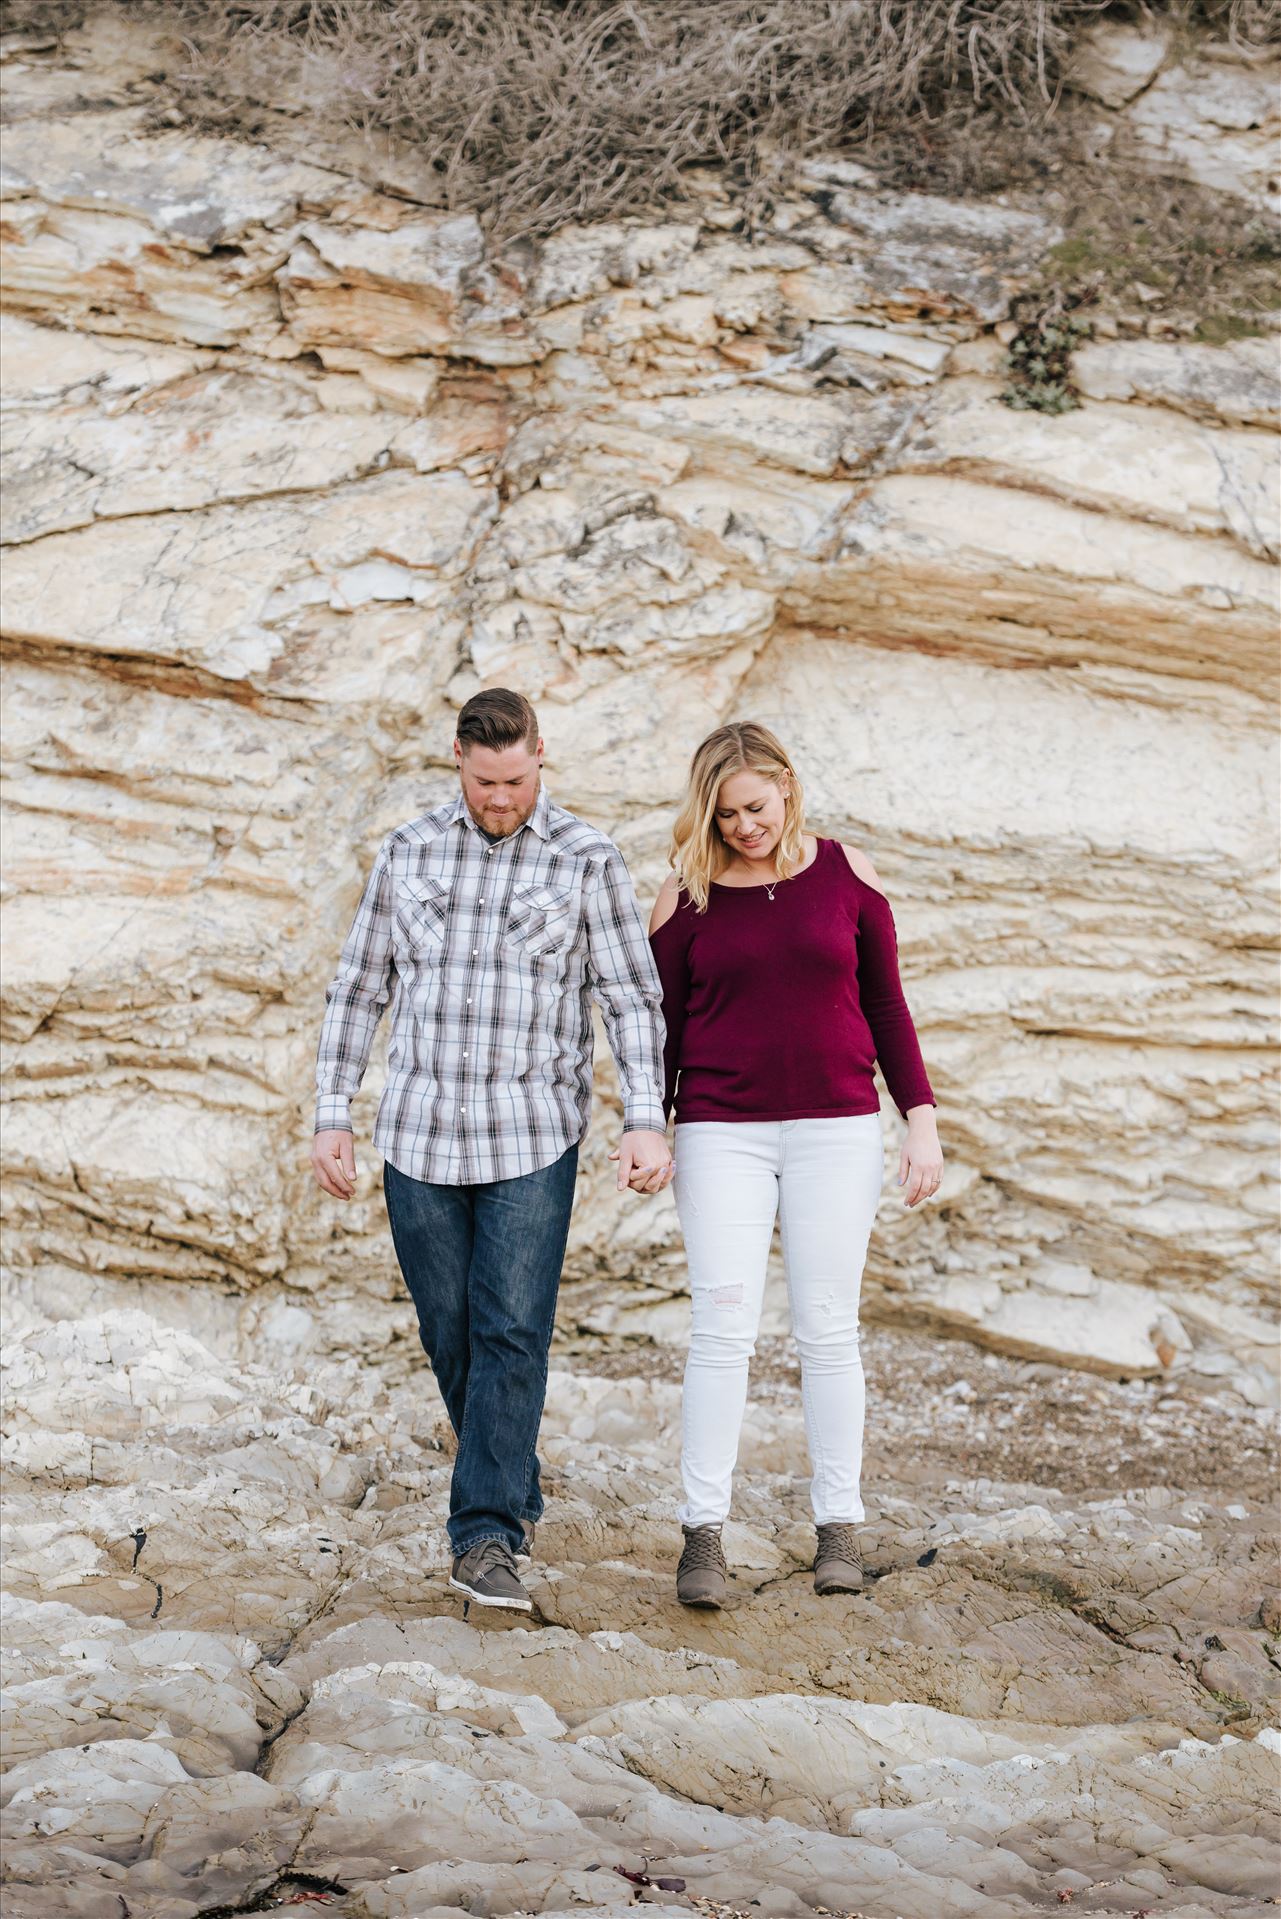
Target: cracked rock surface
x,y
236,1670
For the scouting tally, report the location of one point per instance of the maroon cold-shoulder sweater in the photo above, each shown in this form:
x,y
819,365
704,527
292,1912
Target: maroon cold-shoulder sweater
x,y
779,1009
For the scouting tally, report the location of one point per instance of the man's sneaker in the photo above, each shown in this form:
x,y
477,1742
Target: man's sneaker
x,y
838,1563
525,1550
701,1575
487,1574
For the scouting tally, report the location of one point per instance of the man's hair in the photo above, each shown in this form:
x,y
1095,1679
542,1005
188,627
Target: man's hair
x,y
497,718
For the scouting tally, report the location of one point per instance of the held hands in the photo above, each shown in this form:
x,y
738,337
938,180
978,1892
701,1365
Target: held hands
x,y
333,1161
920,1164
644,1162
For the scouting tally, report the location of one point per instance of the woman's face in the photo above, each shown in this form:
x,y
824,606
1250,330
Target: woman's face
x,y
750,813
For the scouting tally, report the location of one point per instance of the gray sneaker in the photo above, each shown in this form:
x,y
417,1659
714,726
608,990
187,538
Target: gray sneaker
x,y
487,1574
702,1573
838,1563
525,1550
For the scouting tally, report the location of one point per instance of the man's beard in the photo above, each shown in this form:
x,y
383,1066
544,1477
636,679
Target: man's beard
x,y
510,822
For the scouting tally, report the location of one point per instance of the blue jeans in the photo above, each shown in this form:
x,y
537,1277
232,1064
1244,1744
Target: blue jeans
x,y
482,1264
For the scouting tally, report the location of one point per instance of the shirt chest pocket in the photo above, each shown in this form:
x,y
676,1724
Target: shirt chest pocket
x,y
421,916
539,920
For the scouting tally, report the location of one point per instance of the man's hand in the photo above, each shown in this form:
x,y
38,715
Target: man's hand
x,y
333,1161
644,1162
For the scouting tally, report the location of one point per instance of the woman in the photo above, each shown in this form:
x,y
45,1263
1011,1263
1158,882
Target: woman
x,y
780,991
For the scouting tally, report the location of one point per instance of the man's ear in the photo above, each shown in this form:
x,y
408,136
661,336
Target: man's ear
x,y
539,750
458,752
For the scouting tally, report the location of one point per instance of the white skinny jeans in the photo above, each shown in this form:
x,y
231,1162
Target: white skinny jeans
x,y
823,1178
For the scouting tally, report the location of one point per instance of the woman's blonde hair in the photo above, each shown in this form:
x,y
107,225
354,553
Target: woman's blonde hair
x,y
698,852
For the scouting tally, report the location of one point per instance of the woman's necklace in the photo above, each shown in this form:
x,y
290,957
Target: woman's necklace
x,y
767,886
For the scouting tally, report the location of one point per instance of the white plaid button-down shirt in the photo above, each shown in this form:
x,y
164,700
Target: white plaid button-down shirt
x,y
490,954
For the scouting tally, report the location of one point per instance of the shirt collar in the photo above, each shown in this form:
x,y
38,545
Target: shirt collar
x,y
538,821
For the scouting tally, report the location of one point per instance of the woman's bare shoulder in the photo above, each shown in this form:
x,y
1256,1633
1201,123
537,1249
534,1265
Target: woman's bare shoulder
x,y
862,866
665,905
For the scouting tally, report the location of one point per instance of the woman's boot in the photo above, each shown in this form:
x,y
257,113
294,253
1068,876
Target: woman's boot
x,y
702,1573
838,1563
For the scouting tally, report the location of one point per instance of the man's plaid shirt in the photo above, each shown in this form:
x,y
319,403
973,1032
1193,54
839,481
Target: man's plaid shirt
x,y
490,955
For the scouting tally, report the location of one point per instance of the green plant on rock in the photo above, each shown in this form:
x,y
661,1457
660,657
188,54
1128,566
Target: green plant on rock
x,y
1218,329
1233,1706
1039,363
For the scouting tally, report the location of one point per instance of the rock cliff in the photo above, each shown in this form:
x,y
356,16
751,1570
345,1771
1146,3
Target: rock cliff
x,y
294,463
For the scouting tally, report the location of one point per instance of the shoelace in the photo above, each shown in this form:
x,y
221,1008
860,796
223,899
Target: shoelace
x,y
839,1540
489,1554
703,1548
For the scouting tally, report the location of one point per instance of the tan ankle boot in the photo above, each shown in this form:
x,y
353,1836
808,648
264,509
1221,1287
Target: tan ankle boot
x,y
838,1563
702,1573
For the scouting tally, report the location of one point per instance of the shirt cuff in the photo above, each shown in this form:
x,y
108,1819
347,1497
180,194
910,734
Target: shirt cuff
x,y
333,1113
644,1115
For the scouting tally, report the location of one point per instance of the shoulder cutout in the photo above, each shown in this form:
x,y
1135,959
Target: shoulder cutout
x,y
665,905
862,867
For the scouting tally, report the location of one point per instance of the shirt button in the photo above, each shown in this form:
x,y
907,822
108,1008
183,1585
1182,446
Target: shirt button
x,y
474,951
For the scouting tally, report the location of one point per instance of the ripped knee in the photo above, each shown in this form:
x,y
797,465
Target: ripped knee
x,y
828,1321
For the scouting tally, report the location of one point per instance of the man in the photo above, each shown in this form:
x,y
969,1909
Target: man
x,y
490,924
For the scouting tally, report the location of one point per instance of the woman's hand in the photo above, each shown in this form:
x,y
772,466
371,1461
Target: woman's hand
x,y
920,1164
645,1163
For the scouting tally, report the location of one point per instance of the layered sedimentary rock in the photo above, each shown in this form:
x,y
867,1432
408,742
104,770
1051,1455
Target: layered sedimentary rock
x,y
1205,111
295,463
